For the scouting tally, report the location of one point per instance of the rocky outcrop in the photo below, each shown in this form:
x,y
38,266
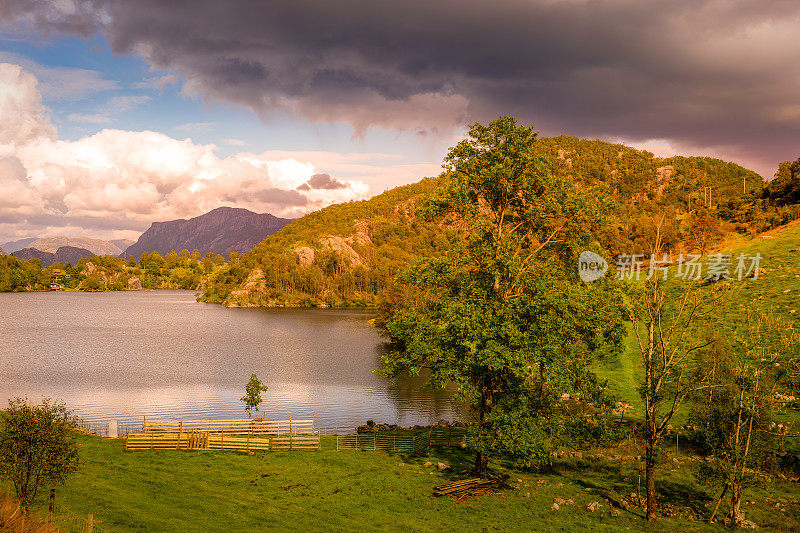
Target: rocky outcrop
x,y
3,252
134,284
223,230
305,255
341,246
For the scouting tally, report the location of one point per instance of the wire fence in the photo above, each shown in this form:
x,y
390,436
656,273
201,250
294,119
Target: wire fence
x,y
110,428
404,443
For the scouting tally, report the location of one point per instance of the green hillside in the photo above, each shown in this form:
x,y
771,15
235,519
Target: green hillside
x,y
346,255
776,292
343,255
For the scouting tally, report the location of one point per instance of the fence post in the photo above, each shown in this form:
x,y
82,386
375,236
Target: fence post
x,y
89,523
221,439
290,426
180,433
52,505
144,423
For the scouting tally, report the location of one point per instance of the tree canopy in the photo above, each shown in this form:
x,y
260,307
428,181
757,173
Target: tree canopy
x,y
502,314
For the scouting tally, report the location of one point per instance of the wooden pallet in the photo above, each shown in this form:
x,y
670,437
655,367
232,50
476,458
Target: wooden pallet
x,y
466,488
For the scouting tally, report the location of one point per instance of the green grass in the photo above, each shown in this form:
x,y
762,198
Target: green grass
x,y
776,291
374,491
178,490
623,373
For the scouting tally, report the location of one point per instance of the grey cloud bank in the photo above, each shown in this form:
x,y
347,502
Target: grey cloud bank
x,y
706,76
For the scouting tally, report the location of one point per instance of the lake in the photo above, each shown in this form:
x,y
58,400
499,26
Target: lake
x,y
125,355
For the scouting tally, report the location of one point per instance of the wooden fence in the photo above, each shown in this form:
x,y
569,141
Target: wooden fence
x,y
231,434
251,426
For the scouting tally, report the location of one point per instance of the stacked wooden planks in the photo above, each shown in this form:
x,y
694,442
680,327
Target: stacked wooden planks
x,y
467,487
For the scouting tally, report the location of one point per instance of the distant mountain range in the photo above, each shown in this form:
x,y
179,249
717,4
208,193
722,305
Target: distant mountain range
x,y
223,230
13,246
52,244
64,254
96,246
122,244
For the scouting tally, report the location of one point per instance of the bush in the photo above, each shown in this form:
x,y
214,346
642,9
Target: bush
x,y
36,446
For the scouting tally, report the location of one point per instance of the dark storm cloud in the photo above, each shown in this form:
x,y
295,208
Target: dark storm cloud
x,y
322,181
705,75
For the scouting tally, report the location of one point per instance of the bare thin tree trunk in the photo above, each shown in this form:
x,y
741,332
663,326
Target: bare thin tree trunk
x,y
719,501
650,474
736,516
481,458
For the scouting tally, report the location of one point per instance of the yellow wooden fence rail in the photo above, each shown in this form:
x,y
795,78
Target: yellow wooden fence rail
x,y
232,434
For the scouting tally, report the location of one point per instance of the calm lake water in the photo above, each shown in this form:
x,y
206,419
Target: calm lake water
x,y
160,354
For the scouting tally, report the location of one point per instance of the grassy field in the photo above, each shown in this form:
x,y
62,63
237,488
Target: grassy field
x,y
374,491
776,291
172,490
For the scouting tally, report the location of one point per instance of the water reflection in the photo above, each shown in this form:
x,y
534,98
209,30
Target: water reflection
x,y
160,354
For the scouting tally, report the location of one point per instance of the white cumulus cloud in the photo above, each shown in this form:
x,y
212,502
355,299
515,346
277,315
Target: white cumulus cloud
x,y
115,183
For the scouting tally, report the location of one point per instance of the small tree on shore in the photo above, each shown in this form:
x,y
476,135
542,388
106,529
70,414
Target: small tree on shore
x,y
252,399
36,446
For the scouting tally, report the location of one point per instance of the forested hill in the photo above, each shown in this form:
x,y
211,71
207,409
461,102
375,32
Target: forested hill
x,y
343,255
638,178
346,254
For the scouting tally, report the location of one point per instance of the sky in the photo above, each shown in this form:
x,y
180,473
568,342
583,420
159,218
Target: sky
x,y
115,114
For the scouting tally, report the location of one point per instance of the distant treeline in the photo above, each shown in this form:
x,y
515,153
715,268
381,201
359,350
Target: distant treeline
x,y
186,270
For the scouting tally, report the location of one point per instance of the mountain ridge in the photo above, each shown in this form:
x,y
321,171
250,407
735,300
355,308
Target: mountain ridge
x,y
222,231
64,254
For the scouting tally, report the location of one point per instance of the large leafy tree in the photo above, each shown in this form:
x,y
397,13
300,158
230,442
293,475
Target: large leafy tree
x,y
502,314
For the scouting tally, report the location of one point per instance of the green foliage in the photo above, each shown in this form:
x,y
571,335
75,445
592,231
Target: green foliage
x,y
703,230
752,367
107,273
252,398
501,314
784,189
36,446
353,250
18,275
